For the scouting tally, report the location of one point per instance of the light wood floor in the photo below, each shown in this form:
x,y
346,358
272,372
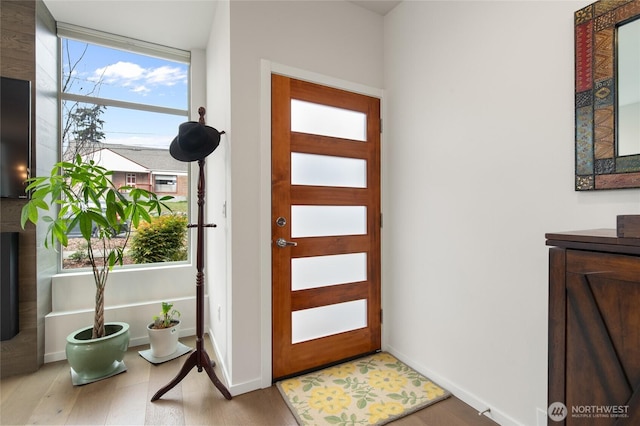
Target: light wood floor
x,y
47,397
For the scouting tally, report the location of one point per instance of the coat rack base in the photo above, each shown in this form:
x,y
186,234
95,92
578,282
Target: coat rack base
x,y
199,359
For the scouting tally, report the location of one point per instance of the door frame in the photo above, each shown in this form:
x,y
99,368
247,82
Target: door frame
x,y
266,69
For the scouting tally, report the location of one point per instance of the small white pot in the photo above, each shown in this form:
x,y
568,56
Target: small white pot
x,y
164,341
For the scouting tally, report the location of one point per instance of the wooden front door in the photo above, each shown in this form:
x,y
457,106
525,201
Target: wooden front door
x,y
325,225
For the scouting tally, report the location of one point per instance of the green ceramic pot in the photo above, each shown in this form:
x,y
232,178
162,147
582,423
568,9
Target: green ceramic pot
x,y
92,359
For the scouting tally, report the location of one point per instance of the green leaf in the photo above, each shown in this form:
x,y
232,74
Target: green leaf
x,y
49,238
59,232
97,217
31,184
333,419
112,259
40,193
111,214
86,225
120,211
144,215
134,193
24,215
40,204
124,200
94,196
110,198
33,212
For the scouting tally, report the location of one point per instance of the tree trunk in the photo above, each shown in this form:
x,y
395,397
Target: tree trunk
x,y
98,321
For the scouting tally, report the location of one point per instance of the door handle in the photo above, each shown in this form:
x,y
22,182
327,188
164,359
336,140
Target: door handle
x,y
282,243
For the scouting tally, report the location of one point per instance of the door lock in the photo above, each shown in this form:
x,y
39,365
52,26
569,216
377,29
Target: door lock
x,y
281,221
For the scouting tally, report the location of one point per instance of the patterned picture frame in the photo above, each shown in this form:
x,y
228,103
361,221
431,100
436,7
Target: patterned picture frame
x,y
597,165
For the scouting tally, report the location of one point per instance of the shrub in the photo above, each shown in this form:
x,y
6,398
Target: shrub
x,y
162,240
81,255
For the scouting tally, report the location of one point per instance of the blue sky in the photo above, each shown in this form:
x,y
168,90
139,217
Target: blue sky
x,y
125,76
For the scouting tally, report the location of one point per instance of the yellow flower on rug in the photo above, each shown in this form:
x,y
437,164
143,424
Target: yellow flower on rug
x,y
381,411
433,391
291,384
387,380
386,357
330,400
342,370
373,390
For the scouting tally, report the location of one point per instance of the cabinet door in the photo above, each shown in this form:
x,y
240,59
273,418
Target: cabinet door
x,y
602,364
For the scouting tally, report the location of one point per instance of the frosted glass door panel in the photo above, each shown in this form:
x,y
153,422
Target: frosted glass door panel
x,y
323,321
316,119
322,271
326,170
322,221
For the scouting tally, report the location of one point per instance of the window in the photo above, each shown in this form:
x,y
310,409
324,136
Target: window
x,y
122,101
131,179
166,183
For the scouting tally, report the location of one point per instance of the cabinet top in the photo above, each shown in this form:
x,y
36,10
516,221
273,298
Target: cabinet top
x,y
594,239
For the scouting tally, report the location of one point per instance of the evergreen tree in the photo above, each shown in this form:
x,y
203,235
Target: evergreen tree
x,y
86,128
82,127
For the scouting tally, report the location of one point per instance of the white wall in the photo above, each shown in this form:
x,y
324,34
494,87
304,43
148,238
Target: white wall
x,y
217,257
336,39
480,160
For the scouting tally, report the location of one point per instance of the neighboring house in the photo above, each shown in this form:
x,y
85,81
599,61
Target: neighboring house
x,y
147,168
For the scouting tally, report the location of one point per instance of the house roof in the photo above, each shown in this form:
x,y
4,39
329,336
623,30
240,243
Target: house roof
x,y
116,162
128,158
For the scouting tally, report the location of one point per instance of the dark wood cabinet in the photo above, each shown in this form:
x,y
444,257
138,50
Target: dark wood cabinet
x,y
594,327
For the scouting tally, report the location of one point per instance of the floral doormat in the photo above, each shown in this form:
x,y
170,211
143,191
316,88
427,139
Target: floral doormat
x,y
374,390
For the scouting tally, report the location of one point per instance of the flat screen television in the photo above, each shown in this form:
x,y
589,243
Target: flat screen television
x,y
15,136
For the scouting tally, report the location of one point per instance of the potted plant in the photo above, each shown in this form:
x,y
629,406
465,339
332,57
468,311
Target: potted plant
x,y
164,331
86,199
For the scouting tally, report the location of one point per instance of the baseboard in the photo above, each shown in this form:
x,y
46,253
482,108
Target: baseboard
x,y
220,360
240,388
234,389
468,398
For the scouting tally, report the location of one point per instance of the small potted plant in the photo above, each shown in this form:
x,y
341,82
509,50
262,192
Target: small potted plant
x,y
164,331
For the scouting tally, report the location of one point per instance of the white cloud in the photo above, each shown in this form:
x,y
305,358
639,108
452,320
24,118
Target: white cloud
x,y
141,89
166,75
119,72
139,79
